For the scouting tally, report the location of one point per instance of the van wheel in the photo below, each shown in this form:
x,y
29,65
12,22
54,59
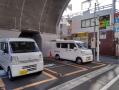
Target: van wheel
x,y
40,72
9,74
57,57
79,61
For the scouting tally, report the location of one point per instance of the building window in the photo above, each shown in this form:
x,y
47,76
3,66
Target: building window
x,y
88,23
92,22
83,23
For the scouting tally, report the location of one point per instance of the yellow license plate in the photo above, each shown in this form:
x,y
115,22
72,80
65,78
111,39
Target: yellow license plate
x,y
23,72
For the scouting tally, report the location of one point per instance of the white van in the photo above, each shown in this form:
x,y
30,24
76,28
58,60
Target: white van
x,y
20,56
72,50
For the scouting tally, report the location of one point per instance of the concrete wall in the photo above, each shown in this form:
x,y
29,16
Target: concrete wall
x,y
8,33
31,14
46,43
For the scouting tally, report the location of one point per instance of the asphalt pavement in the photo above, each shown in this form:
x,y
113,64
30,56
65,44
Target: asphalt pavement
x,y
58,72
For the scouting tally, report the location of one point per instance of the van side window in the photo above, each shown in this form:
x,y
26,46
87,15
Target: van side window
x,y
0,46
4,47
72,45
58,45
64,45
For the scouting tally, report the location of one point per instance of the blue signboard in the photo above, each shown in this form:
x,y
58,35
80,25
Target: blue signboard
x,y
116,29
116,20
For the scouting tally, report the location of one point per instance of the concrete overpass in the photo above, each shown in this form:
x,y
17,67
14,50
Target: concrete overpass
x,y
31,16
36,15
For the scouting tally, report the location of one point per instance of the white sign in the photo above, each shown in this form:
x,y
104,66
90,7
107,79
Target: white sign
x,y
93,43
102,35
116,34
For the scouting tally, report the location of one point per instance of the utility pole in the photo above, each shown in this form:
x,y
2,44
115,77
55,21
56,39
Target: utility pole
x,y
94,36
98,43
21,15
114,29
113,1
114,10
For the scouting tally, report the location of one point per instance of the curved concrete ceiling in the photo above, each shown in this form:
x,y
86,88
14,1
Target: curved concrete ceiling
x,y
38,15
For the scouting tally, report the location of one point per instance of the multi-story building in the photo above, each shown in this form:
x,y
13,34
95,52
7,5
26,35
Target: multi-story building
x,y
84,26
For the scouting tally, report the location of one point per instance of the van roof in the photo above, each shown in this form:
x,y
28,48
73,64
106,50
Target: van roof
x,y
16,39
60,40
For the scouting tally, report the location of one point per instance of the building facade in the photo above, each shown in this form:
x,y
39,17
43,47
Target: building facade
x,y
86,25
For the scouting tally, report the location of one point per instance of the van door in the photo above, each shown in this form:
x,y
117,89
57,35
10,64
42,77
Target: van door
x,y
72,53
4,54
64,51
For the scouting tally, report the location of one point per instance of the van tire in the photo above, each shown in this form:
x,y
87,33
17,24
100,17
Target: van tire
x,y
9,73
79,60
40,72
57,57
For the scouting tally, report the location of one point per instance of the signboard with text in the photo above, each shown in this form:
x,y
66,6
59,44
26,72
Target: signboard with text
x,y
104,22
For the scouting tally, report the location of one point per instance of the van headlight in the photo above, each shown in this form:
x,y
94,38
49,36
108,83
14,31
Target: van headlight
x,y
40,56
15,60
83,52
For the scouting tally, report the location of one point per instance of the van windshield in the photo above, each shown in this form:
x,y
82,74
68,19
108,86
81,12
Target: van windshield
x,y
23,47
82,45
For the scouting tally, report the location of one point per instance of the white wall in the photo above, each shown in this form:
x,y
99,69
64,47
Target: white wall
x,y
46,42
116,34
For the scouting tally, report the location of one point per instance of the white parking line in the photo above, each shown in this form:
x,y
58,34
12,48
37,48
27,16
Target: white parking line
x,y
80,80
110,83
57,66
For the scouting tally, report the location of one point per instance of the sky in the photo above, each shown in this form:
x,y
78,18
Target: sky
x,y
76,5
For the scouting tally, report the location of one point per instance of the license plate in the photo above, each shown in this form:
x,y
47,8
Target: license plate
x,y
88,58
23,72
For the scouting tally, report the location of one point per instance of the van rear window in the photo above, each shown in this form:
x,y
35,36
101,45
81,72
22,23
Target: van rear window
x,y
23,47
